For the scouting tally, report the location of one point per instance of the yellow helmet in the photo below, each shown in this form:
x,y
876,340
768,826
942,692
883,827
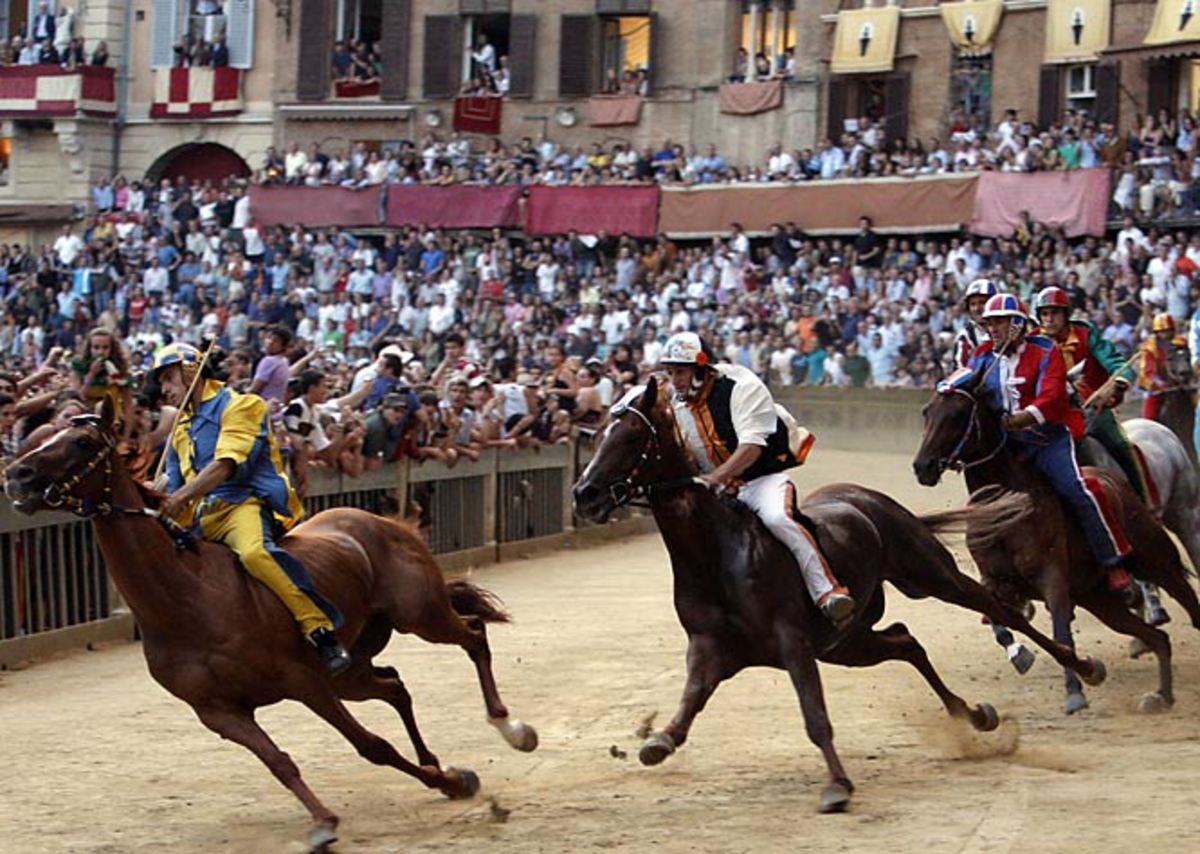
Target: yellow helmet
x,y
1163,322
184,355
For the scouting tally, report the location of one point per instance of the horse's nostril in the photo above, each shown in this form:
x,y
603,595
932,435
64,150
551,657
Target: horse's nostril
x,y
585,492
20,474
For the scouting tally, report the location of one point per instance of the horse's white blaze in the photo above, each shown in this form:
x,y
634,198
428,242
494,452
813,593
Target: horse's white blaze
x,y
587,471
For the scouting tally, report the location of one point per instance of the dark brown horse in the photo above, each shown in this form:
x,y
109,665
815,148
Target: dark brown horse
x,y
224,644
1050,559
739,593
1177,408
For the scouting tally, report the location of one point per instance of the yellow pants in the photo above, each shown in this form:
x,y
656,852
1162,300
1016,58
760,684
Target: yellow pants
x,y
246,528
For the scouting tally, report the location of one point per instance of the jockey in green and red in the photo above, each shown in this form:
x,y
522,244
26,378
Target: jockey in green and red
x,y
1081,343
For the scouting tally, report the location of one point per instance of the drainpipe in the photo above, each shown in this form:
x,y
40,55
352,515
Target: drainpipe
x,y
122,89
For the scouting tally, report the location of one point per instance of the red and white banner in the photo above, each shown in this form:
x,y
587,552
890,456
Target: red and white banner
x,y
47,90
478,114
196,93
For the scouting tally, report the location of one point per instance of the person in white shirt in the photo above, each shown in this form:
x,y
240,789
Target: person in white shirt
x,y
441,315
484,55
779,163
67,246
293,165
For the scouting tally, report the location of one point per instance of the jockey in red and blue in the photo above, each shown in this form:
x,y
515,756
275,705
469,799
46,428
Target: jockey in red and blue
x,y
1029,388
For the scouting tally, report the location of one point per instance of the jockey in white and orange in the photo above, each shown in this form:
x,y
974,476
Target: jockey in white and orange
x,y
739,437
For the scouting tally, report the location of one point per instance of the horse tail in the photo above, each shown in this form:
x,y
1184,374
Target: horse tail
x,y
470,600
988,517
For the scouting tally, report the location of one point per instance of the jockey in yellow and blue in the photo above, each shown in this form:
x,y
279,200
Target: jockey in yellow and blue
x,y
226,478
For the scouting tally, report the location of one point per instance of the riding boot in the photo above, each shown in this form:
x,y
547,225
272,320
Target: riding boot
x,y
332,653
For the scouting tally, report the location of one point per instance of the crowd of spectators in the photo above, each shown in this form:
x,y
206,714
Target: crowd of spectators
x,y
427,344
1156,165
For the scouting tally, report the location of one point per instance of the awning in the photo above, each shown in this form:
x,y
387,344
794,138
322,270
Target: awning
x,y
864,40
1174,21
972,23
1155,51
1077,30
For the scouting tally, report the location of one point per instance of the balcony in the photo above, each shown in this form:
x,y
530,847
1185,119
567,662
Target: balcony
x,y
196,93
48,91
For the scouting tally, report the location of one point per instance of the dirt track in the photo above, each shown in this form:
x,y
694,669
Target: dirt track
x,y
99,758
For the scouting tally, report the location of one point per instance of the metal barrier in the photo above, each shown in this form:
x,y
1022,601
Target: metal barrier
x,y
532,494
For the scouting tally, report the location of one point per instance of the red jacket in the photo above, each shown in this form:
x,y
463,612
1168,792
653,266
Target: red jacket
x,y
1041,383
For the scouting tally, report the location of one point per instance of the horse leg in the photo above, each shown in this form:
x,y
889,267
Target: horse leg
x,y
470,633
241,728
1061,615
949,585
704,673
384,683
895,643
452,782
1113,613
797,656
1019,655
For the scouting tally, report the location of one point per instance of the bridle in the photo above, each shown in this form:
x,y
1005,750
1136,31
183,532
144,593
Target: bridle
x,y
61,496
954,460
628,489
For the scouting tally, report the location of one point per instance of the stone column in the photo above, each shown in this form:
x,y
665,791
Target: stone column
x,y
755,18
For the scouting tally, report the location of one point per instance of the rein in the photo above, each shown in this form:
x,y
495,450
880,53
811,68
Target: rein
x,y
954,461
61,496
627,490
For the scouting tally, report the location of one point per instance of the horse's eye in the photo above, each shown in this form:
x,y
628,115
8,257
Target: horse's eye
x,y
81,444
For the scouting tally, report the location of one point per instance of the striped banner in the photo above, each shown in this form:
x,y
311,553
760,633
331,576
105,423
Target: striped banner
x,y
190,93
47,90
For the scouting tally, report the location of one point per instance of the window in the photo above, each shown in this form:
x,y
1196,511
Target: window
x,y
970,93
359,20
626,54
1081,88
770,29
485,42
179,25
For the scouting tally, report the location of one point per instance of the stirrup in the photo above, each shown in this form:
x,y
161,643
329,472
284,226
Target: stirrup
x,y
331,651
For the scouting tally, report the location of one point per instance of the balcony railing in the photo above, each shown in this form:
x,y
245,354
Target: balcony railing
x,y
48,91
196,93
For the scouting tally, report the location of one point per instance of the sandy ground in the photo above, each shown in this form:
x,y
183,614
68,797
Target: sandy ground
x,y
97,757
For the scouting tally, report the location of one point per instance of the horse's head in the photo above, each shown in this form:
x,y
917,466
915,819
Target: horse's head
x,y
1179,367
71,470
954,425
628,456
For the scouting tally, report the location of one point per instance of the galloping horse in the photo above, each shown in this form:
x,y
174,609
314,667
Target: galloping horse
x,y
741,599
1177,409
1050,559
224,644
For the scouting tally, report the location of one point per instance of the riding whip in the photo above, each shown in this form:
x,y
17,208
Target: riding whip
x,y
1102,392
162,460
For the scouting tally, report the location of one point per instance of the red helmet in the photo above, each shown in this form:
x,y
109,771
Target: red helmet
x,y
1163,322
1052,297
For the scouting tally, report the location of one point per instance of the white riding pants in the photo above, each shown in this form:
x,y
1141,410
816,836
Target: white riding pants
x,y
772,497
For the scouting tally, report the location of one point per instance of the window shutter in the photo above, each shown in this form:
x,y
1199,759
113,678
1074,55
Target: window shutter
x,y
163,33
653,77
522,55
443,53
835,127
239,32
622,7
1049,96
397,14
895,102
1160,87
1108,92
316,51
576,57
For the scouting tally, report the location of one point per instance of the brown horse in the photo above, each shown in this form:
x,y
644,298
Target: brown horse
x,y
1051,560
224,644
739,593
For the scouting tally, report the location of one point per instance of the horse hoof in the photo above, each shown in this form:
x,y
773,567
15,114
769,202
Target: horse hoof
x,y
987,712
461,783
834,798
656,748
1021,658
1076,702
1098,674
1153,703
520,735
1137,648
320,838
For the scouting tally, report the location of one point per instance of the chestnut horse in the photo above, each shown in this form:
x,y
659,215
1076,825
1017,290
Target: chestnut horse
x,y
1050,560
224,644
739,594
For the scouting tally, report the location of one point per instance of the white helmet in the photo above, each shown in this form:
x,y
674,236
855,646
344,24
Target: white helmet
x,y
981,288
684,348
